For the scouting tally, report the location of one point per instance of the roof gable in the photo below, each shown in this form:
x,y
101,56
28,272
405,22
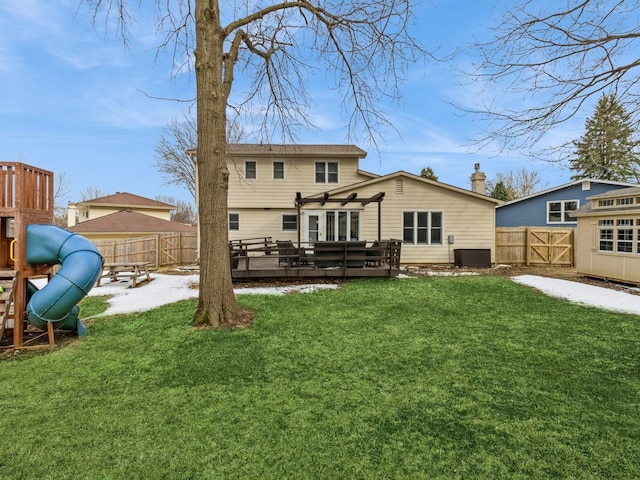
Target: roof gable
x,y
125,199
566,186
411,176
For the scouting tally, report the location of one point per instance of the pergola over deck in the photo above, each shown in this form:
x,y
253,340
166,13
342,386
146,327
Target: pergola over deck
x,y
333,258
351,198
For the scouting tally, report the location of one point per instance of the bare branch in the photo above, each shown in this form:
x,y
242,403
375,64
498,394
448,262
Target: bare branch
x,y
550,65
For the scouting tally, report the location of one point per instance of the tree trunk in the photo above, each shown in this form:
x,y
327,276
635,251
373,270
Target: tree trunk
x,y
217,304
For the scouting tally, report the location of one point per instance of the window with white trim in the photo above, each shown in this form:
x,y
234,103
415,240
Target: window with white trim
x,y
624,201
234,221
342,225
605,235
624,235
326,172
250,170
422,228
289,222
558,211
278,170
607,202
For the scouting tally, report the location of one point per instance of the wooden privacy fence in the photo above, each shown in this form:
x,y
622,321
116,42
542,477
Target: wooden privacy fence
x,y
535,245
159,250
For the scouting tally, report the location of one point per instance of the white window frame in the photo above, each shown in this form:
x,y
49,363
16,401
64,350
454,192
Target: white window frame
x,y
246,177
429,227
326,174
606,235
624,226
563,211
274,169
295,215
236,221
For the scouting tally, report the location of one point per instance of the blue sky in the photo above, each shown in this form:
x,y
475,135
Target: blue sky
x,y
76,102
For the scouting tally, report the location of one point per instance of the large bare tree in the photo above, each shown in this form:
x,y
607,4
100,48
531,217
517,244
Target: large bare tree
x,y
362,46
177,138
547,59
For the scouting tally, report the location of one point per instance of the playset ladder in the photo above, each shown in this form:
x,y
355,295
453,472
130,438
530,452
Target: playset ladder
x,y
8,279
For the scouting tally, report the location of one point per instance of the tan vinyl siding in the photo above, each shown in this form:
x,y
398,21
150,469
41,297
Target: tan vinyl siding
x,y
299,176
257,223
470,219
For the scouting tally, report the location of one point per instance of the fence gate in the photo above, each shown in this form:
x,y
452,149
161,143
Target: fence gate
x,y
535,245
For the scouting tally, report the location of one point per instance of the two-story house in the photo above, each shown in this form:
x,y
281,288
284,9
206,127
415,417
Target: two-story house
x,y
122,215
318,192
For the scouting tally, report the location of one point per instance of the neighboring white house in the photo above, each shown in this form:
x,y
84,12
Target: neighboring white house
x,y
342,202
608,236
99,207
123,216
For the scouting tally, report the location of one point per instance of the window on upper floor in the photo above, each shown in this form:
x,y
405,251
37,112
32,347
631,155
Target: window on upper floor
x,y
607,202
234,221
624,201
250,170
558,212
278,170
326,172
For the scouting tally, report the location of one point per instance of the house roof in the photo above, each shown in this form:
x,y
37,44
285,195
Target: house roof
x,y
418,178
587,210
566,185
127,200
621,192
127,221
306,150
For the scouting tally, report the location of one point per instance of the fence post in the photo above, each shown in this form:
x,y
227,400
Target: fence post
x,y
527,247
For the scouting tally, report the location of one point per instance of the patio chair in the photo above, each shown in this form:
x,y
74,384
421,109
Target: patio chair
x,y
288,254
377,253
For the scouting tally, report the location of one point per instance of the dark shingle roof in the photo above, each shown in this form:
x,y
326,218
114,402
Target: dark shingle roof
x,y
307,150
127,221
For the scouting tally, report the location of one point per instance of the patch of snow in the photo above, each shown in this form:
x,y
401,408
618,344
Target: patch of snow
x,y
591,295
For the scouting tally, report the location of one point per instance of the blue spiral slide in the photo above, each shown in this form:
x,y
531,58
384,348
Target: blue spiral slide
x,y
80,267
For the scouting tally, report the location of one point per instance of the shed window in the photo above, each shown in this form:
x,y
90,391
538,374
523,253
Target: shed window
x,y
624,236
558,212
605,243
624,201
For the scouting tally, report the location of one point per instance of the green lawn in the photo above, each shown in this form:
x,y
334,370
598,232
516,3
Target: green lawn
x,y
468,377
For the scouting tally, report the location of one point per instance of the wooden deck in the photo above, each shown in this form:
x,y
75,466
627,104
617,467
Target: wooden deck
x,y
322,260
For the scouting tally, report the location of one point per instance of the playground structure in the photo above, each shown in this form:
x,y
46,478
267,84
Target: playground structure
x,y
30,246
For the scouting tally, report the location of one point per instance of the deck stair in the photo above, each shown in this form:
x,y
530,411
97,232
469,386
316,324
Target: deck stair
x,y
8,280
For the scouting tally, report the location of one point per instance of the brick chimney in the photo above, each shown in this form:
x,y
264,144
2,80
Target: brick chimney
x,y
478,178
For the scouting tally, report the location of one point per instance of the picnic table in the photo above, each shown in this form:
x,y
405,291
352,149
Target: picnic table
x,y
132,270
